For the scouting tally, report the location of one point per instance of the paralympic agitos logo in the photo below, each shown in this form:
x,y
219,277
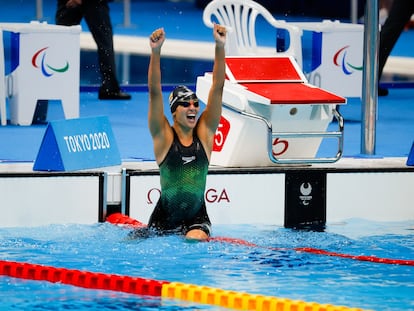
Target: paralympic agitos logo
x,y
340,59
39,60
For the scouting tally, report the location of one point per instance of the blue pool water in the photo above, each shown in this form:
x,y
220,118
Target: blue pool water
x,y
257,270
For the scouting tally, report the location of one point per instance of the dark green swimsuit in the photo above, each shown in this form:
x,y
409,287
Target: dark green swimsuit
x,y
183,174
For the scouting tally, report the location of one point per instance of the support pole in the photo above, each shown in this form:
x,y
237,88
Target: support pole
x,y
127,13
39,10
370,78
354,11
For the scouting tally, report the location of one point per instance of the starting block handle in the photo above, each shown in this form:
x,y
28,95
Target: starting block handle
x,y
339,135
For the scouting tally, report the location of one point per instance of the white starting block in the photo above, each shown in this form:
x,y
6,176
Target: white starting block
x,y
44,66
271,115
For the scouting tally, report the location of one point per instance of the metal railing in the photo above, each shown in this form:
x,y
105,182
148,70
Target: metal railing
x,y
339,135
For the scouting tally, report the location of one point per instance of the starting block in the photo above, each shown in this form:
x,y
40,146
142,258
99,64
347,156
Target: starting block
x,y
271,114
44,66
333,56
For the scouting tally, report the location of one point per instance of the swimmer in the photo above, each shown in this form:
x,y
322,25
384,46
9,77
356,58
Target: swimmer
x,y
182,150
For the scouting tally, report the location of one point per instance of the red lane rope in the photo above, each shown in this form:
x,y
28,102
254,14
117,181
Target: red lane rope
x,y
404,262
317,251
120,219
85,279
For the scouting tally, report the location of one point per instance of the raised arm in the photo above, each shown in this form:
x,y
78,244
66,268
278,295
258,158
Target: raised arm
x,y
210,118
158,124
156,106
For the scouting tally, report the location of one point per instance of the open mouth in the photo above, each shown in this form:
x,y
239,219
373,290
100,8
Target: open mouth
x,y
191,117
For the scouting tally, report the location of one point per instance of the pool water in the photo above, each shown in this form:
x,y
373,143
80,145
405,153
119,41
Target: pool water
x,y
272,268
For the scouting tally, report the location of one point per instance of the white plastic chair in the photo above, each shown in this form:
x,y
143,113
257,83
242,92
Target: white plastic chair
x,y
239,17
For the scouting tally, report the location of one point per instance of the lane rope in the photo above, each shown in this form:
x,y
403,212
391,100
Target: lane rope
x,y
121,219
317,251
164,289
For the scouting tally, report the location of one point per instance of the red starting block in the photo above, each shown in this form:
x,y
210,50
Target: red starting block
x,y
271,114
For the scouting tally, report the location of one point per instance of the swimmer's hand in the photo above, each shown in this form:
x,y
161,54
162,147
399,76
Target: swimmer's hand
x,y
220,34
157,38
196,235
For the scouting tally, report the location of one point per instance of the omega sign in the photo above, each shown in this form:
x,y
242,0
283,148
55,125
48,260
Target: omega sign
x,y
211,196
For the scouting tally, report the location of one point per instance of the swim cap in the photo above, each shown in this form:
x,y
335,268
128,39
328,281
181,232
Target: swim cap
x,y
180,93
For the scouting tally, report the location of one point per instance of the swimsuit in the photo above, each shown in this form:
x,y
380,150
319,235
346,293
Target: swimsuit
x,y
183,174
